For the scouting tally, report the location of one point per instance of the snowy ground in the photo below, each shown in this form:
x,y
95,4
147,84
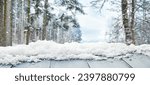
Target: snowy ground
x,y
45,50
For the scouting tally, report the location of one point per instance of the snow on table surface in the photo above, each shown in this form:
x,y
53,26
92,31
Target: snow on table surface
x,y
108,64
134,61
138,61
5,66
42,64
48,50
69,64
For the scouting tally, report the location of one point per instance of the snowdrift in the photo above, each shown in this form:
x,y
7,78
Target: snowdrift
x,y
41,50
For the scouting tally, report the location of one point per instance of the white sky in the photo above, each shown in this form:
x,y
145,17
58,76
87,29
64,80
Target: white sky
x,y
94,25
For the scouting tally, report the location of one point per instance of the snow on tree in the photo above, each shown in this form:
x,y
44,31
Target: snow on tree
x,y
32,20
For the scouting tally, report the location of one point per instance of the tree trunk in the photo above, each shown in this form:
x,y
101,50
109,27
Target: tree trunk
x,y
45,21
20,28
8,23
2,23
28,22
125,19
13,20
133,22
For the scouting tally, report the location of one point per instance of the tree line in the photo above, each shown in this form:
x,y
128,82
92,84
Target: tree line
x,y
25,21
132,26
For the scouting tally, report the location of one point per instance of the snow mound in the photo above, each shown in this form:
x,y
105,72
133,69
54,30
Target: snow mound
x,y
41,50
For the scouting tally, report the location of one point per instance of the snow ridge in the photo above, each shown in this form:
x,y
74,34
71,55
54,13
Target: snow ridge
x,y
40,50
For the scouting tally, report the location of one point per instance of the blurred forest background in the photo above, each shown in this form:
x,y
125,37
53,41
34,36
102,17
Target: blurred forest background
x,y
25,21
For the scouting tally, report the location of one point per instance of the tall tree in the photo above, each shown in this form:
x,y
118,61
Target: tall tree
x,y
8,23
27,28
2,23
128,18
45,20
13,20
128,26
132,24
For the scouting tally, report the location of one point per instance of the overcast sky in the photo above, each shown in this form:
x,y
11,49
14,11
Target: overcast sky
x,y
94,25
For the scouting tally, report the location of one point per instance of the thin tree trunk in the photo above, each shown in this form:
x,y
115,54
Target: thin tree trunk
x,y
45,21
28,28
11,22
133,22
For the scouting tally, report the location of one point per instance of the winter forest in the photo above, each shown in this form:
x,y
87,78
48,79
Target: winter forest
x,y
25,21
